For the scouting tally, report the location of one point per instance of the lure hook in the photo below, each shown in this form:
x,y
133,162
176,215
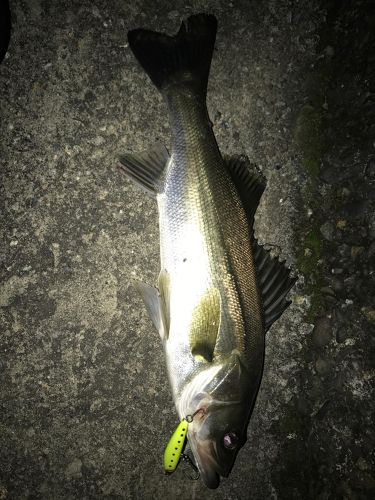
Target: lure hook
x,y
194,474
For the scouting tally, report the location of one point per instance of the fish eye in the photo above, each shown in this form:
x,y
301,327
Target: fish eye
x,y
230,440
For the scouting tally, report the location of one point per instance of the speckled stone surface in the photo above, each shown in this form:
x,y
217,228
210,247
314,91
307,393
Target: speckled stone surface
x,y
85,408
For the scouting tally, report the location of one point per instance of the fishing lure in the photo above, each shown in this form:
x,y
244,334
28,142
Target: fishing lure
x,y
175,446
173,450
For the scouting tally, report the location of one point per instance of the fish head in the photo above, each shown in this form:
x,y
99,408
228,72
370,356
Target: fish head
x,y
217,434
219,427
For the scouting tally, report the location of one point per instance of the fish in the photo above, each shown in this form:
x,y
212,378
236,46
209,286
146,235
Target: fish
x,y
218,290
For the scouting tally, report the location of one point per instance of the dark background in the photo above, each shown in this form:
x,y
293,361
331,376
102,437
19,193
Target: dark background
x,y
85,408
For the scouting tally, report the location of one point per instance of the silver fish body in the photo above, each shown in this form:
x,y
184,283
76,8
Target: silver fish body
x,y
206,253
218,290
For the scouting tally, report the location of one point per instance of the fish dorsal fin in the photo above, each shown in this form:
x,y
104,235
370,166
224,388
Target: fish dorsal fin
x,y
164,294
274,283
146,168
249,181
205,325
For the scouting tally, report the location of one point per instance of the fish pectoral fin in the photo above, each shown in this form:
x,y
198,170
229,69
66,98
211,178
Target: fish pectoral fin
x,y
205,325
151,298
146,169
274,283
249,181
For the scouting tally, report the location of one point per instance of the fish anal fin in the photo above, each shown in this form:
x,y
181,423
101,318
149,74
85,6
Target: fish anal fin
x,y
146,169
205,325
274,282
249,182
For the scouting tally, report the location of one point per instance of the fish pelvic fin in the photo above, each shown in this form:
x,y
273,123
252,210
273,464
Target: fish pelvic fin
x,y
154,306
164,283
147,168
274,282
173,60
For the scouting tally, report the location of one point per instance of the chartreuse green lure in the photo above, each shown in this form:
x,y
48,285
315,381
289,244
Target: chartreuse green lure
x,y
175,446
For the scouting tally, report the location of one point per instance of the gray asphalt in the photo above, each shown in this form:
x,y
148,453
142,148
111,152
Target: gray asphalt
x,y
85,407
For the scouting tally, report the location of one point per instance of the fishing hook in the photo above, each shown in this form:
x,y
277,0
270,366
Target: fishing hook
x,y
194,474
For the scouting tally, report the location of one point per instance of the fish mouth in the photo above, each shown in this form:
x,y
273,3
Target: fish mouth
x,y
209,469
210,478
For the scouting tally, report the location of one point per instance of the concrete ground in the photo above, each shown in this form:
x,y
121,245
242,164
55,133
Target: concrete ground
x,y
85,407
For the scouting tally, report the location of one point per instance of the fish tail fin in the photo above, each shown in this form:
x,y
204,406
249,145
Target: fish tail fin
x,y
181,59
